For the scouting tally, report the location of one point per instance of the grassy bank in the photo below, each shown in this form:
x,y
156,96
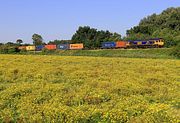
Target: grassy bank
x,y
125,53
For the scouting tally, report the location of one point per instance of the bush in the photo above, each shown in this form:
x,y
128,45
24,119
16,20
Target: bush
x,y
6,49
23,51
176,51
13,49
44,50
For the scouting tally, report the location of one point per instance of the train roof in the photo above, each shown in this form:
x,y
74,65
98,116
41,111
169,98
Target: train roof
x,y
155,38
136,40
146,40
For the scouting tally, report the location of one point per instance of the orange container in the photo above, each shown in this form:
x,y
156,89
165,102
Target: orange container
x,y
22,47
76,46
50,47
121,44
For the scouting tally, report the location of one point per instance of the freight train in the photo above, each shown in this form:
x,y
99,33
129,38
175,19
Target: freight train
x,y
151,43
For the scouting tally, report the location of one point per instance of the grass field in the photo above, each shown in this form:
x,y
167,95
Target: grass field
x,y
40,88
163,53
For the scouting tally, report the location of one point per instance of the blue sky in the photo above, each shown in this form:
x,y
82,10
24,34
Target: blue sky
x,y
59,19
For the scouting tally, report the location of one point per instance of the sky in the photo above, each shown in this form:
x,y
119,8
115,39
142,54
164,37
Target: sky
x,y
59,19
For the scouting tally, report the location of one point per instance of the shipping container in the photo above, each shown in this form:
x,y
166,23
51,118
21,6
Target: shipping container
x,y
30,48
50,47
63,46
121,44
22,47
76,46
108,45
39,47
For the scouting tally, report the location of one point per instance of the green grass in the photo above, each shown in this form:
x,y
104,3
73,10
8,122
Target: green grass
x,y
125,53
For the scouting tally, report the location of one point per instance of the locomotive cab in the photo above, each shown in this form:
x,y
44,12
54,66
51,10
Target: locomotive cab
x,y
158,42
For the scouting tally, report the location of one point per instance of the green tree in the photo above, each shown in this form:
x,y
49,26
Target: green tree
x,y
56,42
10,44
176,51
92,38
19,41
37,39
115,37
165,25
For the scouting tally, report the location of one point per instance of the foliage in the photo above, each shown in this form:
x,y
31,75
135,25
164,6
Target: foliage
x,y
136,53
128,53
165,25
88,89
19,41
9,48
92,38
176,51
56,42
37,39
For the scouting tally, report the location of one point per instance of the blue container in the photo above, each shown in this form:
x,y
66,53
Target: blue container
x,y
39,47
108,44
144,42
63,46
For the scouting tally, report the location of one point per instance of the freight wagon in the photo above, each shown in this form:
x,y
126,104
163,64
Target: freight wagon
x,y
50,47
76,46
108,45
39,47
122,44
22,47
30,48
63,46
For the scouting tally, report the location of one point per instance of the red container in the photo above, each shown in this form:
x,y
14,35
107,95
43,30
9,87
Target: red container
x,y
50,47
121,44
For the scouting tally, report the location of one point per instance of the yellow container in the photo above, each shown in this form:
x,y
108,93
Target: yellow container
x,y
30,48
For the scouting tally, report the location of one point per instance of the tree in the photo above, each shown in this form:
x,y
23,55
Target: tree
x,y
56,42
176,51
19,41
10,44
165,25
115,37
92,38
37,39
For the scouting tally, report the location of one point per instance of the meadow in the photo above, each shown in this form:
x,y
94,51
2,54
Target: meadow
x,y
47,88
154,53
